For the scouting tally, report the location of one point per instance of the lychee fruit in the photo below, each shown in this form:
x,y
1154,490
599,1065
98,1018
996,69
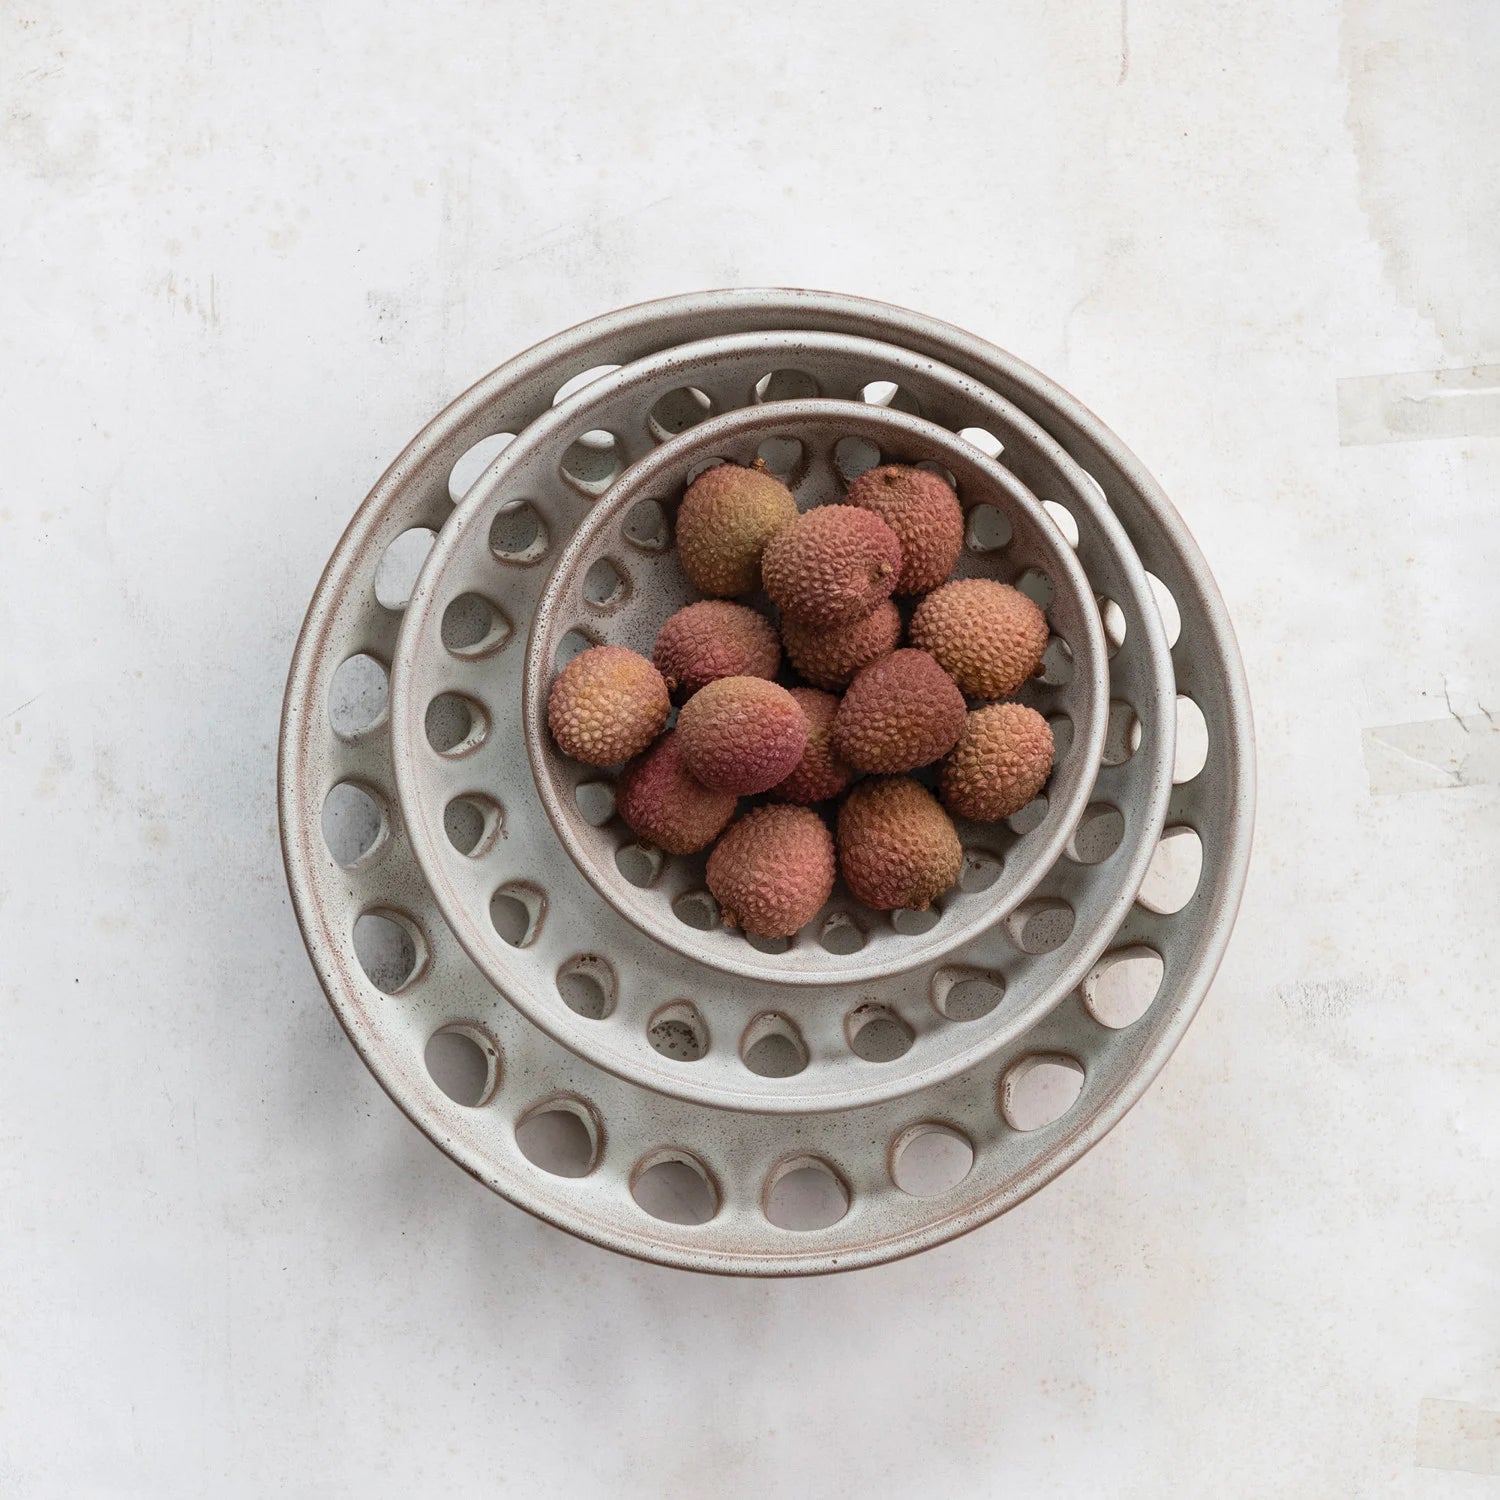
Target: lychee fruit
x,y
664,806
900,712
988,636
897,848
741,734
832,565
726,518
773,870
828,656
606,705
1001,761
820,774
924,513
713,639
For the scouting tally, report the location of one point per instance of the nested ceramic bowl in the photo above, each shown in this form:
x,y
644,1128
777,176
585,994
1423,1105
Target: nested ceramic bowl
x,y
980,1077
514,897
618,580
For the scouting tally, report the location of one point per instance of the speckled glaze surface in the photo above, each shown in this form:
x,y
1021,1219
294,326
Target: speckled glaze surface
x,y
742,1153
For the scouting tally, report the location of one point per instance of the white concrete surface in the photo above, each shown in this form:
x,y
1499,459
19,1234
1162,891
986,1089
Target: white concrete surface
x,y
249,248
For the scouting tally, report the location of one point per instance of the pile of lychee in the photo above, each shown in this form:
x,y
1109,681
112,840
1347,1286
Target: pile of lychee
x,y
861,712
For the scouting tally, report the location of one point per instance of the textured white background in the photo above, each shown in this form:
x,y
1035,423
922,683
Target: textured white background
x,y
248,249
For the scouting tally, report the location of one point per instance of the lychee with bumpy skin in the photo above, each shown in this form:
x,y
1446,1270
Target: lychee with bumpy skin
x,y
606,705
900,713
714,639
924,513
829,656
820,774
897,848
723,524
988,636
741,734
664,806
773,870
832,565
1001,761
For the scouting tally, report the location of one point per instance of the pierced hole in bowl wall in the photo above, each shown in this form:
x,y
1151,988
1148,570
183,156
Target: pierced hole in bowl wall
x,y
1173,874
675,1187
647,526
1036,586
980,869
358,695
786,385
463,476
893,397
1112,618
455,725
605,585
876,1034
1062,737
852,456
1064,520
677,411
1057,663
517,911
561,1136
841,934
930,1159
593,462
390,949
473,822
772,945
805,1194
474,627
1121,733
1041,925
986,529
983,439
574,643
698,910
588,986
400,563
1039,1090
596,802
772,1047
1120,988
1099,833
677,1032
639,864
934,467
966,994
1192,741
463,1060
354,823
581,381
915,923
1031,816
518,535
1166,604
781,455
702,466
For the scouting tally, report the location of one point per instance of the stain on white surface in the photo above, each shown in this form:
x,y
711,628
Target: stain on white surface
x,y
1421,79
1454,1435
1433,754
1425,404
